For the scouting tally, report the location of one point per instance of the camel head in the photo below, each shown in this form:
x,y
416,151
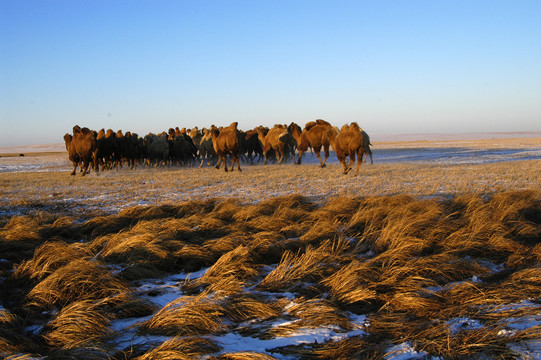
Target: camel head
x,y
67,140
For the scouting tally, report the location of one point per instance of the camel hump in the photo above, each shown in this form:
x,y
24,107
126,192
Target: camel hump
x,y
293,127
309,125
322,122
76,129
86,131
356,126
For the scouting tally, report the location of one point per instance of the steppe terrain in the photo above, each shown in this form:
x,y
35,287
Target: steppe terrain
x,y
432,252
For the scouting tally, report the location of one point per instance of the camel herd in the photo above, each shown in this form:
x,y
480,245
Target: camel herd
x,y
105,150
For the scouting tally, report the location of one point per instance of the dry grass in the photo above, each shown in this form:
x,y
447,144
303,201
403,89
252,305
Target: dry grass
x,y
79,324
76,281
197,315
185,348
48,258
414,266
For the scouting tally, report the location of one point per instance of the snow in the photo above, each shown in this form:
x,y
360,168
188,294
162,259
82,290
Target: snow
x,y
165,290
405,351
395,153
233,342
463,324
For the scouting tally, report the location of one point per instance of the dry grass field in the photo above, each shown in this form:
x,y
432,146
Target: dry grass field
x,y
431,259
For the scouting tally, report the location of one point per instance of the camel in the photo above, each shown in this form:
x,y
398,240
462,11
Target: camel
x,y
226,141
106,144
253,146
82,148
348,142
367,150
314,134
274,139
206,147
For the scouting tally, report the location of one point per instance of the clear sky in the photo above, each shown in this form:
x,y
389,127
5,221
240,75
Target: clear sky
x,y
392,66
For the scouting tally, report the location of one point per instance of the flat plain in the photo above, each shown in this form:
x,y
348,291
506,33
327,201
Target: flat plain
x,y
432,252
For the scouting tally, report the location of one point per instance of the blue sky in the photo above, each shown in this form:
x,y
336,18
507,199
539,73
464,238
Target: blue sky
x,y
392,66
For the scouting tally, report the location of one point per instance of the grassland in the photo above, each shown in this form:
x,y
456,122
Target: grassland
x,y
435,260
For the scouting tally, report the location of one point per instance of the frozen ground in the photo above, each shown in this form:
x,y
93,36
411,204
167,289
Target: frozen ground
x,y
441,151
75,195
41,181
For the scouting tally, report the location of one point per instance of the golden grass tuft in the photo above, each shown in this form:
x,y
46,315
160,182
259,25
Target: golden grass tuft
x,y
21,228
350,348
339,208
19,238
103,225
267,246
237,263
196,315
352,283
79,324
315,313
309,267
243,307
182,348
129,248
48,258
225,244
76,281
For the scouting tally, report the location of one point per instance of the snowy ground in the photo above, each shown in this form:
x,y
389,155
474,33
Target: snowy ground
x,y
458,151
389,153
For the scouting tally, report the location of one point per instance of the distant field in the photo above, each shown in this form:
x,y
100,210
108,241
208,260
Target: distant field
x,y
432,252
424,169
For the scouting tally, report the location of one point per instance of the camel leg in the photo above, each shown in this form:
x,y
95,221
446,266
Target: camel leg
x,y
234,159
74,168
280,154
351,160
300,157
86,164
343,162
326,151
359,162
319,158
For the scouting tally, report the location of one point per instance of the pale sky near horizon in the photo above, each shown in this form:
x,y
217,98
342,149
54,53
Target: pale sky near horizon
x,y
145,66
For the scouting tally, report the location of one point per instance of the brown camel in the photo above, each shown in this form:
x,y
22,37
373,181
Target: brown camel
x,y
82,149
206,147
275,139
226,141
348,142
314,134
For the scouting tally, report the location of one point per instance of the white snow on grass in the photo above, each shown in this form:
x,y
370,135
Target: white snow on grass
x,y
234,342
406,351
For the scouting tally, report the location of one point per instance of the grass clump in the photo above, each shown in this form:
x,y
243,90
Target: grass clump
x,y
187,315
76,281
